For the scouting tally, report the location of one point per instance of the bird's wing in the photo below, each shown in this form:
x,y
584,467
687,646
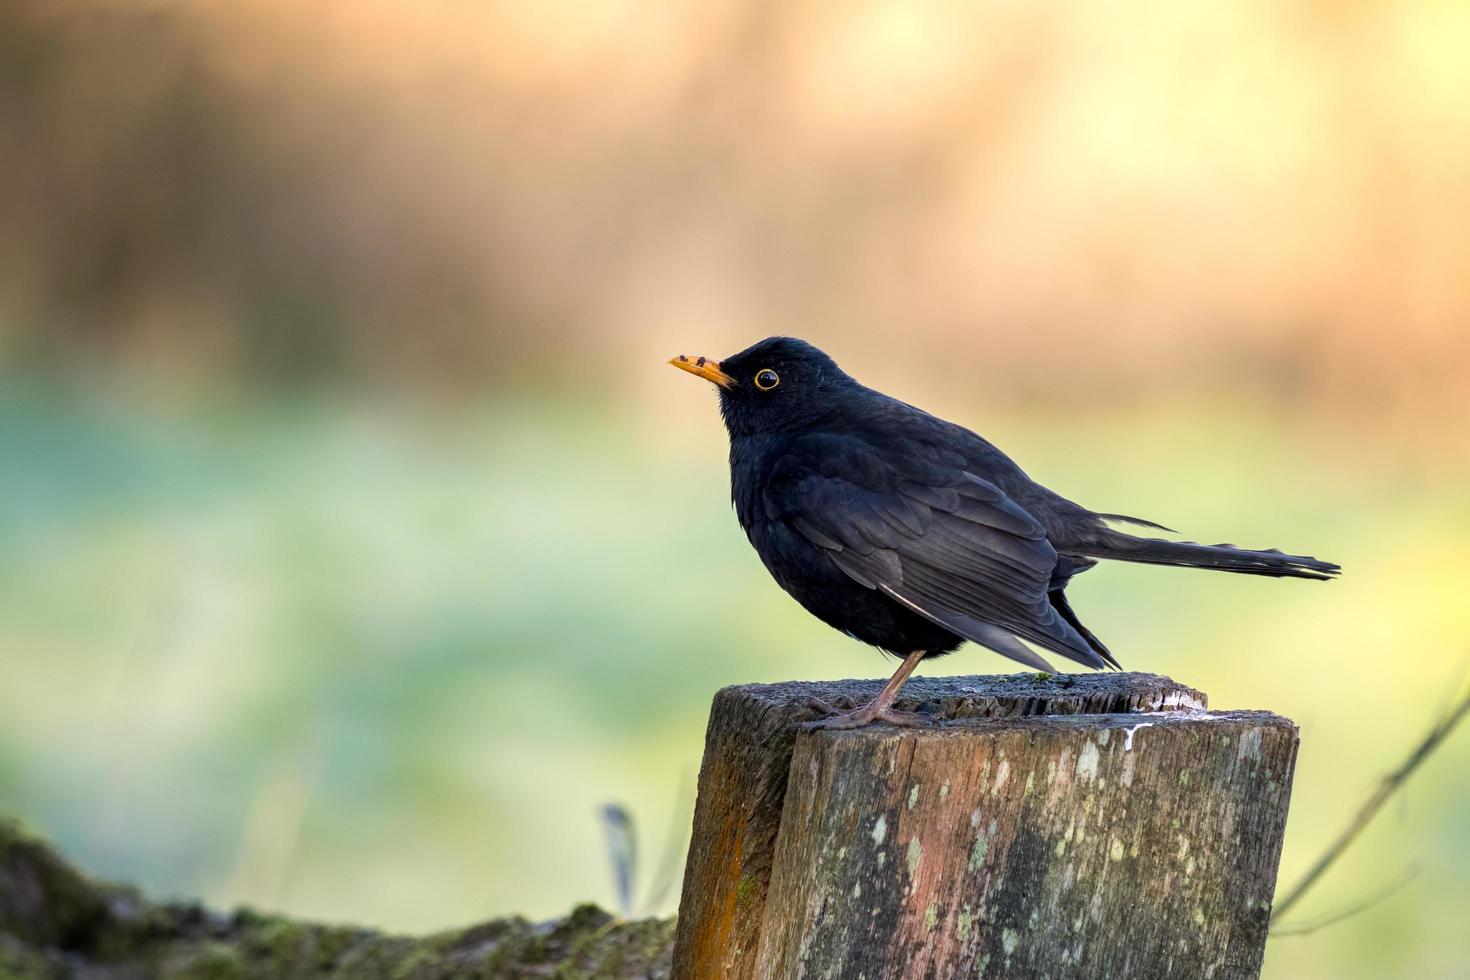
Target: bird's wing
x,y
917,526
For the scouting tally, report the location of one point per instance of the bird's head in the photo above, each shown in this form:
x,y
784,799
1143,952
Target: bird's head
x,y
777,385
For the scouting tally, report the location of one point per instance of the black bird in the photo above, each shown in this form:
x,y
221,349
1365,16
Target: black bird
x,y
915,534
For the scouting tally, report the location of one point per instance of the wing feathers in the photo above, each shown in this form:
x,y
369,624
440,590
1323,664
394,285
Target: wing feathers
x,y
815,534
940,498
986,635
943,542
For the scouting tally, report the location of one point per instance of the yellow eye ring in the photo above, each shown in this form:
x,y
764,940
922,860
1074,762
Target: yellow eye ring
x,y
766,379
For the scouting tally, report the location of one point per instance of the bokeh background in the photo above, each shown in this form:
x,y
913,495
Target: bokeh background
x,y
356,545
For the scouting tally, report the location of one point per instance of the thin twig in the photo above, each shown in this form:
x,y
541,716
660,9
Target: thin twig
x,y
622,853
1385,790
1347,912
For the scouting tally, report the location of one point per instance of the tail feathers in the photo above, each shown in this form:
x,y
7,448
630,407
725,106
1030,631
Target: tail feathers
x,y
1224,557
1136,522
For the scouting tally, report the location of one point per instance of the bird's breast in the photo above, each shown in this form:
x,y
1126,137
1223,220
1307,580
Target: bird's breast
x,y
751,462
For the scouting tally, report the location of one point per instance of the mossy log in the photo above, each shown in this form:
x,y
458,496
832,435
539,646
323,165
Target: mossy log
x,y
56,924
1104,825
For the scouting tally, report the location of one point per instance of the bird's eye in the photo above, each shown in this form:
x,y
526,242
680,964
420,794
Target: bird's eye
x,y
766,379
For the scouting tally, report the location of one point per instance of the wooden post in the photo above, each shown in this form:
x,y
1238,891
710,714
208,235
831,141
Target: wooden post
x,y
1098,825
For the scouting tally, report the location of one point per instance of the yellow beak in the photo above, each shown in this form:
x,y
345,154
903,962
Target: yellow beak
x,y
704,367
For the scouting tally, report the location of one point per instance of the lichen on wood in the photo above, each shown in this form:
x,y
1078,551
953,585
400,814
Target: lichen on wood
x,y
1060,826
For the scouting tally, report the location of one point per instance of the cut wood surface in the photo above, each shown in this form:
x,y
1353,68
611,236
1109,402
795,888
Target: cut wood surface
x,y
1100,825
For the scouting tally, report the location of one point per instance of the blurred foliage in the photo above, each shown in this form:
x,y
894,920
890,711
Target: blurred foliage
x,y
356,546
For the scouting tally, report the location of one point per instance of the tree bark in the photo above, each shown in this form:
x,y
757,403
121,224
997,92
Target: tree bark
x,y
1101,825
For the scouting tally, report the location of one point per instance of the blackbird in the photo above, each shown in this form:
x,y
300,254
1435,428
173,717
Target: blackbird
x,y
914,534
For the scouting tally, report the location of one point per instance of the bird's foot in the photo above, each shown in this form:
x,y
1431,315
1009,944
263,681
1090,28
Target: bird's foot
x,y
861,717
836,706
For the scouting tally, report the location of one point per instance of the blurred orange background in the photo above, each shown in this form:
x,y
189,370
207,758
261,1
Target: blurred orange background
x,y
1261,196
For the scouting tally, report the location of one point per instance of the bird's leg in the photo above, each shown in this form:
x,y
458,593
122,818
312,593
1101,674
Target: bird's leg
x,y
880,708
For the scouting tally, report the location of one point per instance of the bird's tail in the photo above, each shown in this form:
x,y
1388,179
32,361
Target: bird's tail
x,y
1118,546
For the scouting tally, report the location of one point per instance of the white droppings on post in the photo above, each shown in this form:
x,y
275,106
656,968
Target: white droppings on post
x,y
1128,734
880,828
1178,700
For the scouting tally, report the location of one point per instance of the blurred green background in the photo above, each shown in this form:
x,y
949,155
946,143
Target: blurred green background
x,y
356,545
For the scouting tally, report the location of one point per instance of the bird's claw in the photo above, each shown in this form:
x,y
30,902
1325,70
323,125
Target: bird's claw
x,y
865,716
836,706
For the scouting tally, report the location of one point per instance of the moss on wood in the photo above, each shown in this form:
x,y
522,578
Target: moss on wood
x,y
56,924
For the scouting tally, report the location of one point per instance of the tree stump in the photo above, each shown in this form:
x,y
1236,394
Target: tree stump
x,y
1093,826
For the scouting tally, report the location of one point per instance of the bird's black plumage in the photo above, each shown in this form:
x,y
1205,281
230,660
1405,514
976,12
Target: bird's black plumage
x,y
909,532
